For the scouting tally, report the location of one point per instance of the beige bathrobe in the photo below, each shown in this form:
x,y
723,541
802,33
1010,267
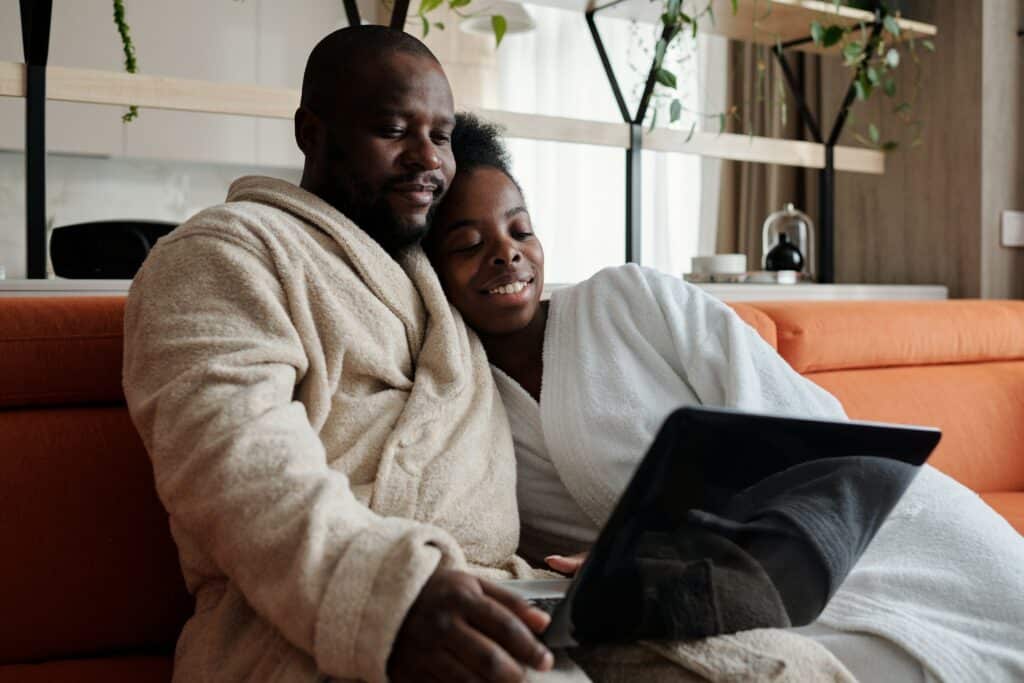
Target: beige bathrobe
x,y
324,433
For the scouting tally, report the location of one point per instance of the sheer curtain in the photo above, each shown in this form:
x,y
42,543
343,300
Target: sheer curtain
x,y
576,193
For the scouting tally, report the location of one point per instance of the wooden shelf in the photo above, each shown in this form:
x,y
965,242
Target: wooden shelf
x,y
766,22
161,92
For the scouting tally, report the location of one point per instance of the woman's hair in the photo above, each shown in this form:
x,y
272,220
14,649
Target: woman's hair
x,y
477,143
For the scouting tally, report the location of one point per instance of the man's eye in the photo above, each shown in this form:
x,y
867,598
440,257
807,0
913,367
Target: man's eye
x,y
442,139
392,132
466,248
522,235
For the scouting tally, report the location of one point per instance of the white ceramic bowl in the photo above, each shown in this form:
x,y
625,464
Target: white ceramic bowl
x,y
719,264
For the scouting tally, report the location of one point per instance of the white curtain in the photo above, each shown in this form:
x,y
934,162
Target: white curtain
x,y
576,193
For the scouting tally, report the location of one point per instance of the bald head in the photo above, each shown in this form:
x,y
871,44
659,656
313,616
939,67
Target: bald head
x,y
344,64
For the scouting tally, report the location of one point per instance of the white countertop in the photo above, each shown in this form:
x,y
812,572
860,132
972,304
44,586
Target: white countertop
x,y
726,292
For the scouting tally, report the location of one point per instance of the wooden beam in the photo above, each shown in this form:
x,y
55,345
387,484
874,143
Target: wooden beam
x,y
161,92
763,150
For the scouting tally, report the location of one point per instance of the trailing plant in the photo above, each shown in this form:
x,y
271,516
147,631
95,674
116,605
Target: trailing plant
x,y
130,64
873,55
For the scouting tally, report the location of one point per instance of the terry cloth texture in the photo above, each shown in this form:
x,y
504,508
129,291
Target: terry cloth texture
x,y
942,578
324,433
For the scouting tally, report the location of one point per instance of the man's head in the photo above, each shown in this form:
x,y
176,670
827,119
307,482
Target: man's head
x,y
375,124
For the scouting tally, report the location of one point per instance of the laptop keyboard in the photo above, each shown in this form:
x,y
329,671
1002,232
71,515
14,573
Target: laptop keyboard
x,y
545,604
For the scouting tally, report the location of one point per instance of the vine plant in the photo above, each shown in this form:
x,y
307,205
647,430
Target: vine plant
x,y
873,56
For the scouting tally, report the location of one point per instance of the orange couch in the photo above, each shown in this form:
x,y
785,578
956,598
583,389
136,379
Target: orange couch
x,y
89,578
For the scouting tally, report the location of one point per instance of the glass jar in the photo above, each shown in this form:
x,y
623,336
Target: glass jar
x,y
799,233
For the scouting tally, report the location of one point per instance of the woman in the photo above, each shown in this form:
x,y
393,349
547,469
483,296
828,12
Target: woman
x,y
588,377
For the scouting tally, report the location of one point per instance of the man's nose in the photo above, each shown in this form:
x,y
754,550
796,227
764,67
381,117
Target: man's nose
x,y
421,153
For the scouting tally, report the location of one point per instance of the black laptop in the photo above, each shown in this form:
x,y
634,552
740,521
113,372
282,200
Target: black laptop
x,y
701,454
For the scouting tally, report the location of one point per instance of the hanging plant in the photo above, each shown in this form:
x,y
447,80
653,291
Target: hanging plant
x,y
874,56
130,64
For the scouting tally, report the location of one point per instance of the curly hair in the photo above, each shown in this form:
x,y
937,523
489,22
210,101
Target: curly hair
x,y
477,143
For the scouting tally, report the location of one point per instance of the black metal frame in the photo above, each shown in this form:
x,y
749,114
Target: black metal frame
x,y
634,153
827,175
35,42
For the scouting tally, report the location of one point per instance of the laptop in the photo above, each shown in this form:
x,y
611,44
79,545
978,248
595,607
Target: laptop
x,y
700,455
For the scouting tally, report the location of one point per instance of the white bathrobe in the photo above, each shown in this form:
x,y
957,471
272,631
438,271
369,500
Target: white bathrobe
x,y
625,348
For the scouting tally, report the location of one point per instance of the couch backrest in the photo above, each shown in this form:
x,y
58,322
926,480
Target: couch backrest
x,y
88,564
958,365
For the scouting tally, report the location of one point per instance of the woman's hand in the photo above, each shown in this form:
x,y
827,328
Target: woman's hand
x,y
566,564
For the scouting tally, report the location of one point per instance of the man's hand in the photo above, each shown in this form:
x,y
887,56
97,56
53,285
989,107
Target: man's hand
x,y
465,629
566,565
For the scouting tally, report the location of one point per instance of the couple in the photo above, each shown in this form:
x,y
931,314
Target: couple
x,y
336,458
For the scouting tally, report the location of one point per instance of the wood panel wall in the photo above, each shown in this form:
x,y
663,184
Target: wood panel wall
x,y
934,216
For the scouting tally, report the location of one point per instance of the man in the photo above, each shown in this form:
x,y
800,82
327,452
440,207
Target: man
x,y
324,432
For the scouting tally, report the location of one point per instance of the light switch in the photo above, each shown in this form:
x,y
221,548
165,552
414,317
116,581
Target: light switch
x,y
1013,229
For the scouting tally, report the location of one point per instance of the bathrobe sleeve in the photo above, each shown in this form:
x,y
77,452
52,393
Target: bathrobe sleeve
x,y
211,367
725,361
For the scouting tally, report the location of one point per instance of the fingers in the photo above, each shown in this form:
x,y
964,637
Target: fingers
x,y
535,619
485,658
497,616
566,565
448,669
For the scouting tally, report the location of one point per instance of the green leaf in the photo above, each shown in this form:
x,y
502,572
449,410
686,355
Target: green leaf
x,y
689,136
817,32
499,26
439,25
928,45
903,107
862,91
833,34
891,25
892,58
853,51
721,123
659,52
873,76
890,145
654,119
890,87
428,6
426,26
675,110
455,4
735,6
665,77
873,133
672,9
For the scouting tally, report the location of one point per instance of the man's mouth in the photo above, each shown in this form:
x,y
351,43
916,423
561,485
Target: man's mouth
x,y
418,193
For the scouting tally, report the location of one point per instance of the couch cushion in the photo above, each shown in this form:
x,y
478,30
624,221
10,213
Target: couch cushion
x,y
978,406
60,350
106,670
759,320
835,335
88,565
1010,504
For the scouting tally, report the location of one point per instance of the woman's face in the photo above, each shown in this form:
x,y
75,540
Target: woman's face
x,y
482,245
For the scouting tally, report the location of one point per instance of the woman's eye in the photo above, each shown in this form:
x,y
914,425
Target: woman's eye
x,y
522,235
465,248
442,139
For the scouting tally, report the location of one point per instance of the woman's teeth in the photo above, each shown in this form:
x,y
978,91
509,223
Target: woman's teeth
x,y
513,288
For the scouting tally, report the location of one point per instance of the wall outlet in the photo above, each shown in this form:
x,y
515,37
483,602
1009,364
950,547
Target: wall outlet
x,y
1013,229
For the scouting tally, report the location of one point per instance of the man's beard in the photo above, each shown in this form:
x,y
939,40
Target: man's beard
x,y
377,219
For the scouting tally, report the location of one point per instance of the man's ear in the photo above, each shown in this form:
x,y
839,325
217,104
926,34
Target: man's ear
x,y
307,131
